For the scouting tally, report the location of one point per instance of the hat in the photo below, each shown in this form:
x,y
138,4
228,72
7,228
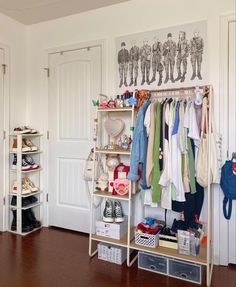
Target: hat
x,y
122,44
169,35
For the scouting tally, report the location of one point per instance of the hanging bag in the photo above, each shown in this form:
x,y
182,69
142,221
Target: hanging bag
x,y
228,185
88,168
202,160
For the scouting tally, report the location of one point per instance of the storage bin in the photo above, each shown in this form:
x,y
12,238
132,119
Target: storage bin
x,y
112,230
145,239
154,263
111,253
186,271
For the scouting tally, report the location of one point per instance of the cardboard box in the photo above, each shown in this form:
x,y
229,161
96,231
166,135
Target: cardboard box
x,y
112,230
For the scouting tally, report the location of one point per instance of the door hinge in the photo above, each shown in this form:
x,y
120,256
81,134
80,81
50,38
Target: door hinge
x,y
47,135
47,197
4,135
4,68
48,72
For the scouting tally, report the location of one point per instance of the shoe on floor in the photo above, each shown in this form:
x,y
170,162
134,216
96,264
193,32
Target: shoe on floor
x,y
118,212
108,212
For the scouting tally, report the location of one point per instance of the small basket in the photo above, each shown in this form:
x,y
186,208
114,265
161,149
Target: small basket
x,y
145,239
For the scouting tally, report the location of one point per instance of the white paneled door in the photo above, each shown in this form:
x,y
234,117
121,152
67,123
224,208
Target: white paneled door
x,y
232,129
75,79
2,112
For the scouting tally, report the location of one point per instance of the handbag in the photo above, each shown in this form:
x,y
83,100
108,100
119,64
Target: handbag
x,y
121,183
202,160
228,185
88,168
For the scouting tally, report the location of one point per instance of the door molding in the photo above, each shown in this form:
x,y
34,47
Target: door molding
x,y
6,125
223,226
47,52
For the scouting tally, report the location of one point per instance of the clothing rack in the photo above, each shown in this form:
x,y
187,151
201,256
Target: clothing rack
x,y
185,92
182,92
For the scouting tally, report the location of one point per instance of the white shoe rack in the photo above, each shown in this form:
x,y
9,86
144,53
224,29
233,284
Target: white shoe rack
x,y
18,174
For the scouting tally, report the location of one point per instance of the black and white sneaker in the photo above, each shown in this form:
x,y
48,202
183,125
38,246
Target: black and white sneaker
x,y
118,212
30,161
108,212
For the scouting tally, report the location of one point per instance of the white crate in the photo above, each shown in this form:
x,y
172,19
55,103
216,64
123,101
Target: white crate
x,y
112,230
111,253
145,239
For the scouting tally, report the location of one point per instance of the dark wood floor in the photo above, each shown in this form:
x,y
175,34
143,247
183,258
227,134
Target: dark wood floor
x,y
58,258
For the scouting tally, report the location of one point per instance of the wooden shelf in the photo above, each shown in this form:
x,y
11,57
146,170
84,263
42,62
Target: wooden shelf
x,y
27,171
25,233
26,135
109,195
125,109
27,152
26,195
168,252
26,207
108,151
122,242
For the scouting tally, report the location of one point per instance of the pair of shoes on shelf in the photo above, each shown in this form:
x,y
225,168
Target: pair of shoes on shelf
x,y
113,213
27,186
27,163
25,201
29,221
24,130
27,145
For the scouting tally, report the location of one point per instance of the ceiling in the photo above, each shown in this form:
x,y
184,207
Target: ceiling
x,y
35,11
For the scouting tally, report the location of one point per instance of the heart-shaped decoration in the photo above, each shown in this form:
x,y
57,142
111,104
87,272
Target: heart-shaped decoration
x,y
114,127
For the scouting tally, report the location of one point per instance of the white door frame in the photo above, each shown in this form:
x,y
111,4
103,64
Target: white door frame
x,y
223,225
83,45
4,198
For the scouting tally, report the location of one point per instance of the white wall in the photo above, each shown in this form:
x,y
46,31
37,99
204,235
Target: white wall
x,y
107,23
13,35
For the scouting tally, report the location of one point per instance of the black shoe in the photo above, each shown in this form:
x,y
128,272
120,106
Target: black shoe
x,y
178,78
32,219
193,76
13,224
199,76
32,199
27,226
166,79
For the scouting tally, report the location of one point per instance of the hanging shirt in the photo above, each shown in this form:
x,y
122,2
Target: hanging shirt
x,y
176,164
139,147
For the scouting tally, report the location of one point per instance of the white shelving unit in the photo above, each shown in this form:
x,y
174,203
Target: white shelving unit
x,y
18,174
101,113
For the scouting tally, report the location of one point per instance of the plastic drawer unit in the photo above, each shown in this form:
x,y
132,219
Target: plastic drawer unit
x,y
185,271
152,263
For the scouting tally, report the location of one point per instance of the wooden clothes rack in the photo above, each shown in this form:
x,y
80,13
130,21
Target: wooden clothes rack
x,y
184,93
206,256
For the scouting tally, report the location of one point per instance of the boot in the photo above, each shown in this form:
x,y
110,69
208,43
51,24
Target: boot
x,y
199,76
166,79
131,82
153,79
143,80
160,79
32,219
121,83
13,224
183,77
135,82
179,77
125,83
26,224
193,76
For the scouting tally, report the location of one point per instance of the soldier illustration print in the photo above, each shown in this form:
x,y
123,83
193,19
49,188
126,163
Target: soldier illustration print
x,y
165,57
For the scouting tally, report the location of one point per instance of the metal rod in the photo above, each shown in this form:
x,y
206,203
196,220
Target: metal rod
x,y
180,89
